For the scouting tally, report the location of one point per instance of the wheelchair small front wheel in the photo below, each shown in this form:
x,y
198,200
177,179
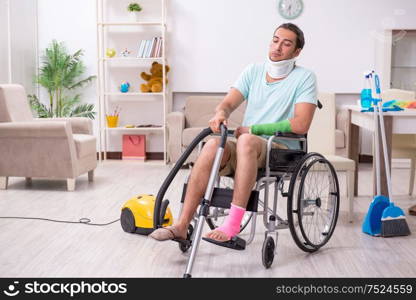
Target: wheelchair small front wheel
x,y
268,252
185,247
313,202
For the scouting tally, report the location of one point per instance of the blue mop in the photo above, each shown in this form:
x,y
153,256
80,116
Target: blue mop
x,y
393,220
372,221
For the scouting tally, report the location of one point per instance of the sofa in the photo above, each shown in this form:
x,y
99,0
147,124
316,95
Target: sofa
x,y
183,126
58,148
341,132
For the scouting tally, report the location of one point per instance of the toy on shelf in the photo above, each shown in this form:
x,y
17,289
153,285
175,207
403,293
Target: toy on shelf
x,y
124,87
110,52
125,53
154,79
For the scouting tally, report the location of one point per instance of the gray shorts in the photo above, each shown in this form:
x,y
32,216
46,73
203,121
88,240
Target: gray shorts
x,y
231,164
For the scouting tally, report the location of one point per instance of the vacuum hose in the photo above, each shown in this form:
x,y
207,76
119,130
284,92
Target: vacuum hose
x,y
158,213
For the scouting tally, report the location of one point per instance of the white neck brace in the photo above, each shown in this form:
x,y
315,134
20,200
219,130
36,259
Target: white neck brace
x,y
280,69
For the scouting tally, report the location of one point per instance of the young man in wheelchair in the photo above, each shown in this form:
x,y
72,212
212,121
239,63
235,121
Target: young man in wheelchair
x,y
280,97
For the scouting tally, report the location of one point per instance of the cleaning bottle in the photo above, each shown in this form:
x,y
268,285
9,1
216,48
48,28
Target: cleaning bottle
x,y
366,98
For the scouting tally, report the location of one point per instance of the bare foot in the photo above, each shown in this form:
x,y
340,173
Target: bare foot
x,y
217,235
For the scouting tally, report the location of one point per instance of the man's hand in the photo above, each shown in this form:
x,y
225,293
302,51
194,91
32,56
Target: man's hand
x,y
214,123
240,130
231,101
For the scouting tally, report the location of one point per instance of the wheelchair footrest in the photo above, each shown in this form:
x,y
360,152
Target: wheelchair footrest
x,y
221,197
235,243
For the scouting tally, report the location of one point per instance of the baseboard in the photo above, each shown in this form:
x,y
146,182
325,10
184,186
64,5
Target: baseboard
x,y
396,163
365,158
118,155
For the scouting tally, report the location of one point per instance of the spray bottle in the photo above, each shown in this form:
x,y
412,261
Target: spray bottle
x,y
366,98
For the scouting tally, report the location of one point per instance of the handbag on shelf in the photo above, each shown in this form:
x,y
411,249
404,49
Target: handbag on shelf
x,y
134,147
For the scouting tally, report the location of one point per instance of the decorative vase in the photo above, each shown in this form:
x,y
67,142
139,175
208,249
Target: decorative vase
x,y
134,16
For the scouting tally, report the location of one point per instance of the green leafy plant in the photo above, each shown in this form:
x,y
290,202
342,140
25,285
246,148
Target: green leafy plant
x,y
60,74
134,7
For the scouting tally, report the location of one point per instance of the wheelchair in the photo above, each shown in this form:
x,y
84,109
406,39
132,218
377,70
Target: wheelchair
x,y
312,199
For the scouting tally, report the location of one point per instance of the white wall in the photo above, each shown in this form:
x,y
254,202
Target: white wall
x,y
18,39
72,22
4,49
209,43
212,42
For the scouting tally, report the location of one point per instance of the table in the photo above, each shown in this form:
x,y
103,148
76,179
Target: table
x,y
395,122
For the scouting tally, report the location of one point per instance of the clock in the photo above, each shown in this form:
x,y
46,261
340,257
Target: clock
x,y
290,9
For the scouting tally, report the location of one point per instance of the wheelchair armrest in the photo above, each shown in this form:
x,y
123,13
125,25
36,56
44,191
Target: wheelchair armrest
x,y
290,135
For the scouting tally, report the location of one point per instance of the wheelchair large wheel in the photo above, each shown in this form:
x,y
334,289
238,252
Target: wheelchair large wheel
x,y
217,215
313,202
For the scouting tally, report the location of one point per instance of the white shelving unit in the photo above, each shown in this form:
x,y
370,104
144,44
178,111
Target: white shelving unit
x,y
107,89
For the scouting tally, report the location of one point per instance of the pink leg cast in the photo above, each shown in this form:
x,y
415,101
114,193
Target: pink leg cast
x,y
231,225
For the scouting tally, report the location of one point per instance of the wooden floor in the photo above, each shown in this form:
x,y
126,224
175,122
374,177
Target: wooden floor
x,y
45,249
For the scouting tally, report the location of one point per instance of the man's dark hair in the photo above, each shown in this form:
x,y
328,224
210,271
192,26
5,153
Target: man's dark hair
x,y
300,39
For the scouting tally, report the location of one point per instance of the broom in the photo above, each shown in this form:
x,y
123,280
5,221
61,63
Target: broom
x,y
393,220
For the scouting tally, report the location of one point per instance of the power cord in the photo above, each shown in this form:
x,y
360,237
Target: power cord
x,y
84,221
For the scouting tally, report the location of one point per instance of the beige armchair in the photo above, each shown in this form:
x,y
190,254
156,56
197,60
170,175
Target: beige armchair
x,y
58,148
184,126
322,138
341,132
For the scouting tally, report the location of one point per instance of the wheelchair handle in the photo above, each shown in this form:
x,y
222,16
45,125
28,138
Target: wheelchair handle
x,y
224,133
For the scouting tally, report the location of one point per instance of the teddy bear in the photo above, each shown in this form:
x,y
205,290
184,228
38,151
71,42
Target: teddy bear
x,y
154,79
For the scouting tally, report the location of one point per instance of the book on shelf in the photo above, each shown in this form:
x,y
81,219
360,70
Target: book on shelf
x,y
152,51
150,48
159,49
141,49
146,48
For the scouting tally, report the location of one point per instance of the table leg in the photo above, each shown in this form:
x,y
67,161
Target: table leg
x,y
352,150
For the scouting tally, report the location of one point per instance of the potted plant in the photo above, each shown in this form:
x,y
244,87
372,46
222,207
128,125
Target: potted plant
x,y
60,76
134,9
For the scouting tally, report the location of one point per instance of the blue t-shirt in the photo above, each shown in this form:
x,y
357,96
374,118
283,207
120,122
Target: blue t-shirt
x,y
274,102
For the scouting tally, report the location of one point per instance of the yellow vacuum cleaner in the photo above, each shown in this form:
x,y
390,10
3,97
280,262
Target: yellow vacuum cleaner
x,y
145,213
137,214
